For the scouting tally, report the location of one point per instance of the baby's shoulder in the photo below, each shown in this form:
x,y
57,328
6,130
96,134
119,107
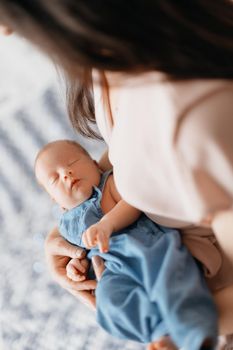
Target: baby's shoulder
x,y
110,195
112,189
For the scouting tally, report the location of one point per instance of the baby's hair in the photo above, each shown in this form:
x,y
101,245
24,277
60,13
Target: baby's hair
x,y
53,143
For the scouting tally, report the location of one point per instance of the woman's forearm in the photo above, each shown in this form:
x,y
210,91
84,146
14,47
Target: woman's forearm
x,y
224,302
222,225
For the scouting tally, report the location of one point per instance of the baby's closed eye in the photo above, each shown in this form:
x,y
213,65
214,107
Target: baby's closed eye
x,y
53,179
74,161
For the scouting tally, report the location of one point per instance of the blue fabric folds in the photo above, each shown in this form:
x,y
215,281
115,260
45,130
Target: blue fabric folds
x,y
151,285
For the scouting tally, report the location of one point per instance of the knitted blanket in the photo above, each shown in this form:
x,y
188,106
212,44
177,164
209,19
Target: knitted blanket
x,y
36,314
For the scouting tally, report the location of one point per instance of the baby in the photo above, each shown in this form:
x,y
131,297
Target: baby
x,y
151,286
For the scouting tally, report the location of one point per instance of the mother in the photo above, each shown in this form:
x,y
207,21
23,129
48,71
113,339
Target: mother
x,y
163,103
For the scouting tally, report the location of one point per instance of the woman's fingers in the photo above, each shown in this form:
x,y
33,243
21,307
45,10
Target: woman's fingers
x,y
57,245
98,265
57,266
62,247
68,284
84,297
59,253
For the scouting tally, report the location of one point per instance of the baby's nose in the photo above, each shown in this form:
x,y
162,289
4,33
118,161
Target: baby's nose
x,y
67,173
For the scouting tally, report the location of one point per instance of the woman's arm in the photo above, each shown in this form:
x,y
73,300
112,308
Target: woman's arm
x,y
224,301
222,225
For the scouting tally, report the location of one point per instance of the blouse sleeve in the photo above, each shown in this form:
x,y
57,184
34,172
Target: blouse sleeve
x,y
204,147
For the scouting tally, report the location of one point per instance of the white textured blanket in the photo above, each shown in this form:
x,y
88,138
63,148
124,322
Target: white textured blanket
x,y
35,314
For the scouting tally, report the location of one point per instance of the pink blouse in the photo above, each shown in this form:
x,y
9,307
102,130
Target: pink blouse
x,y
171,146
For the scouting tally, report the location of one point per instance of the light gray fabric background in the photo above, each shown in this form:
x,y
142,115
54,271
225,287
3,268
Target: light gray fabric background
x,y
35,313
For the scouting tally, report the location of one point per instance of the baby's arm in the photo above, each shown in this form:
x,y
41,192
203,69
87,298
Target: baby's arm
x,y
120,216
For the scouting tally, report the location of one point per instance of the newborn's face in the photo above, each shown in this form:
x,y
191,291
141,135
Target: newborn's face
x,y
67,174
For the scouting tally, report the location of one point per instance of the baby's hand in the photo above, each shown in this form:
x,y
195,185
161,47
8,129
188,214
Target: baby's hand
x,y
98,234
76,269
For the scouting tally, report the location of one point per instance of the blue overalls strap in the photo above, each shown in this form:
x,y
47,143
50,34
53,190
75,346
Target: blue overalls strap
x,y
104,178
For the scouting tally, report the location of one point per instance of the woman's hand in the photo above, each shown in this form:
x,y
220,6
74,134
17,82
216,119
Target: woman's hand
x,y
77,269
98,265
58,253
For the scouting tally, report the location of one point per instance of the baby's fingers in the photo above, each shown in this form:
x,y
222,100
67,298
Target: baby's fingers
x,y
90,237
68,283
103,242
75,275
98,265
76,264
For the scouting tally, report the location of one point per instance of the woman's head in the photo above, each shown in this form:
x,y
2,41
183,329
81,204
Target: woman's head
x,y
184,39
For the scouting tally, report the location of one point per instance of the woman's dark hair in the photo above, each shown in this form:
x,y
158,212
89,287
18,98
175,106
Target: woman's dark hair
x,y
185,39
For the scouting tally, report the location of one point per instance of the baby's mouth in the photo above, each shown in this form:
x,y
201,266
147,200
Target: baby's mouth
x,y
74,182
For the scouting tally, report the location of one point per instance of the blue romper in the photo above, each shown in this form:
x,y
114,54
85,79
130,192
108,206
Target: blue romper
x,y
151,285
